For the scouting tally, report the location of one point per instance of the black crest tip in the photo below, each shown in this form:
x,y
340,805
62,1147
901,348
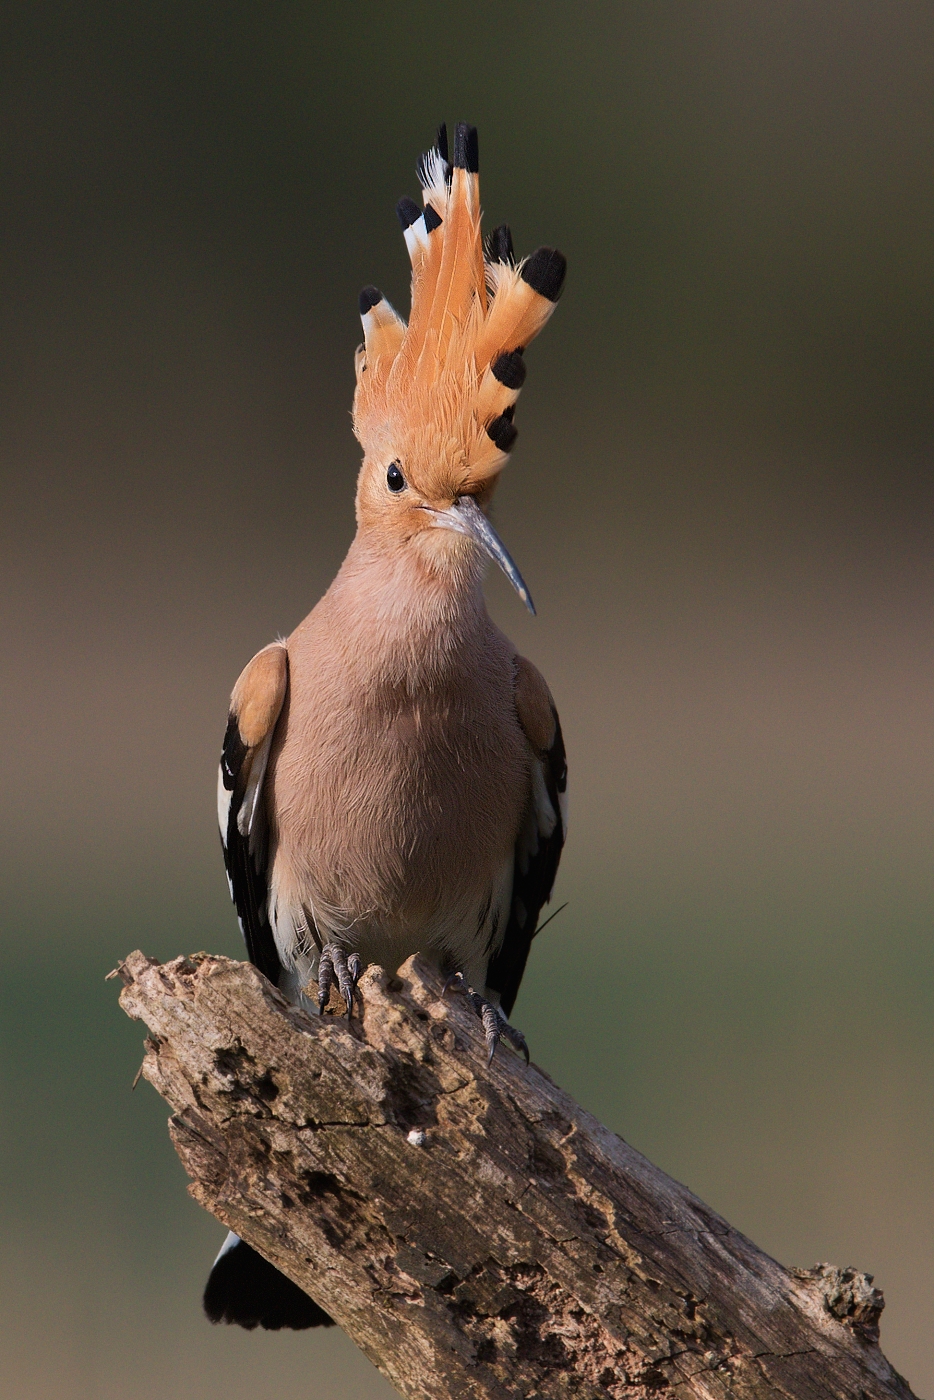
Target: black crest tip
x,y
499,245
466,148
407,211
544,271
432,219
509,368
503,432
369,297
441,141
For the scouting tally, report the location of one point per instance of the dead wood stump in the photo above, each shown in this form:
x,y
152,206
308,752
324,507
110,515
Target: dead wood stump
x,y
473,1230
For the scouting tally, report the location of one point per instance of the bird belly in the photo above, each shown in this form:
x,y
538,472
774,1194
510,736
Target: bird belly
x,y
395,834
461,936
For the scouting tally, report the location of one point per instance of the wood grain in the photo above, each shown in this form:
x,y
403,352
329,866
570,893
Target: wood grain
x,y
473,1230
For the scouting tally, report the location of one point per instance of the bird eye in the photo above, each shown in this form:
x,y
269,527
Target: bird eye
x,y
394,478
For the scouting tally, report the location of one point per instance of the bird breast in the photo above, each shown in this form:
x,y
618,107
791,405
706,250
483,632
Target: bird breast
x,y
396,806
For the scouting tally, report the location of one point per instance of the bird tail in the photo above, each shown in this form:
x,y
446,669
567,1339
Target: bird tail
x,y
474,310
245,1289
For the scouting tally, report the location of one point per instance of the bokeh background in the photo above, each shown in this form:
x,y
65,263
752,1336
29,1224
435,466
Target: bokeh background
x,y
722,501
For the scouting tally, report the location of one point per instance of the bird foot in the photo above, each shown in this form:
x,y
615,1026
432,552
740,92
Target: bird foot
x,y
495,1025
334,965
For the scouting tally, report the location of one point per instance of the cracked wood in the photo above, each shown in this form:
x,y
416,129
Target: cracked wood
x,y
473,1230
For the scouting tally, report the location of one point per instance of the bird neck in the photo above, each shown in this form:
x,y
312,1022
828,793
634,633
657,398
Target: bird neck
x,y
404,620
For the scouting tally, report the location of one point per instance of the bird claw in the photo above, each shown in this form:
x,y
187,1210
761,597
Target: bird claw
x,y
334,965
495,1025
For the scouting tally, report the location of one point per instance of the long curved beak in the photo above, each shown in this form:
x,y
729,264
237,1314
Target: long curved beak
x,y
466,517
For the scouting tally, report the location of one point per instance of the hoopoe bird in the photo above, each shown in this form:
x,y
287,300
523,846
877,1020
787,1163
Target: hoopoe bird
x,y
393,773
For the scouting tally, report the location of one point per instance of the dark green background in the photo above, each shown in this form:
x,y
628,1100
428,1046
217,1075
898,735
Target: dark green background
x,y
721,501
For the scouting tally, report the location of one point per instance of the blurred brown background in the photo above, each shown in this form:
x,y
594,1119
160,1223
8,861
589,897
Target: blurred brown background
x,y
721,501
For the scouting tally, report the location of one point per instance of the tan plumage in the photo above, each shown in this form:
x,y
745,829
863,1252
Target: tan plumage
x,y
392,777
393,770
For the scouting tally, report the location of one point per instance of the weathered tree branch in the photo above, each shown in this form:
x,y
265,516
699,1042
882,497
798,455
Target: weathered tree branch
x,y
473,1230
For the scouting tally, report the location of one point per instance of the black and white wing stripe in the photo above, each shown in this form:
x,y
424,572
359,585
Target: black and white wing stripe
x,y
538,849
243,1287
255,706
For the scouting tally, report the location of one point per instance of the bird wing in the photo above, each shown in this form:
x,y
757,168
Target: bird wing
x,y
538,848
255,706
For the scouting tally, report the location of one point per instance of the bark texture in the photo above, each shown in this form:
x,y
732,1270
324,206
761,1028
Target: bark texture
x,y
473,1230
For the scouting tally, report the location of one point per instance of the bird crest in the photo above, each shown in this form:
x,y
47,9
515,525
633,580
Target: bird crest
x,y
438,393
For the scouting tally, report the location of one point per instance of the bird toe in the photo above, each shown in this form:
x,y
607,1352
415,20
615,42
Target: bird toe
x,y
495,1025
334,965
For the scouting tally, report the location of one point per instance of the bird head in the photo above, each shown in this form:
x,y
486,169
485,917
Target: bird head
x,y
435,397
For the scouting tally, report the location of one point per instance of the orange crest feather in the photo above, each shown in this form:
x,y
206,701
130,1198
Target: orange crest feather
x,y
439,393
